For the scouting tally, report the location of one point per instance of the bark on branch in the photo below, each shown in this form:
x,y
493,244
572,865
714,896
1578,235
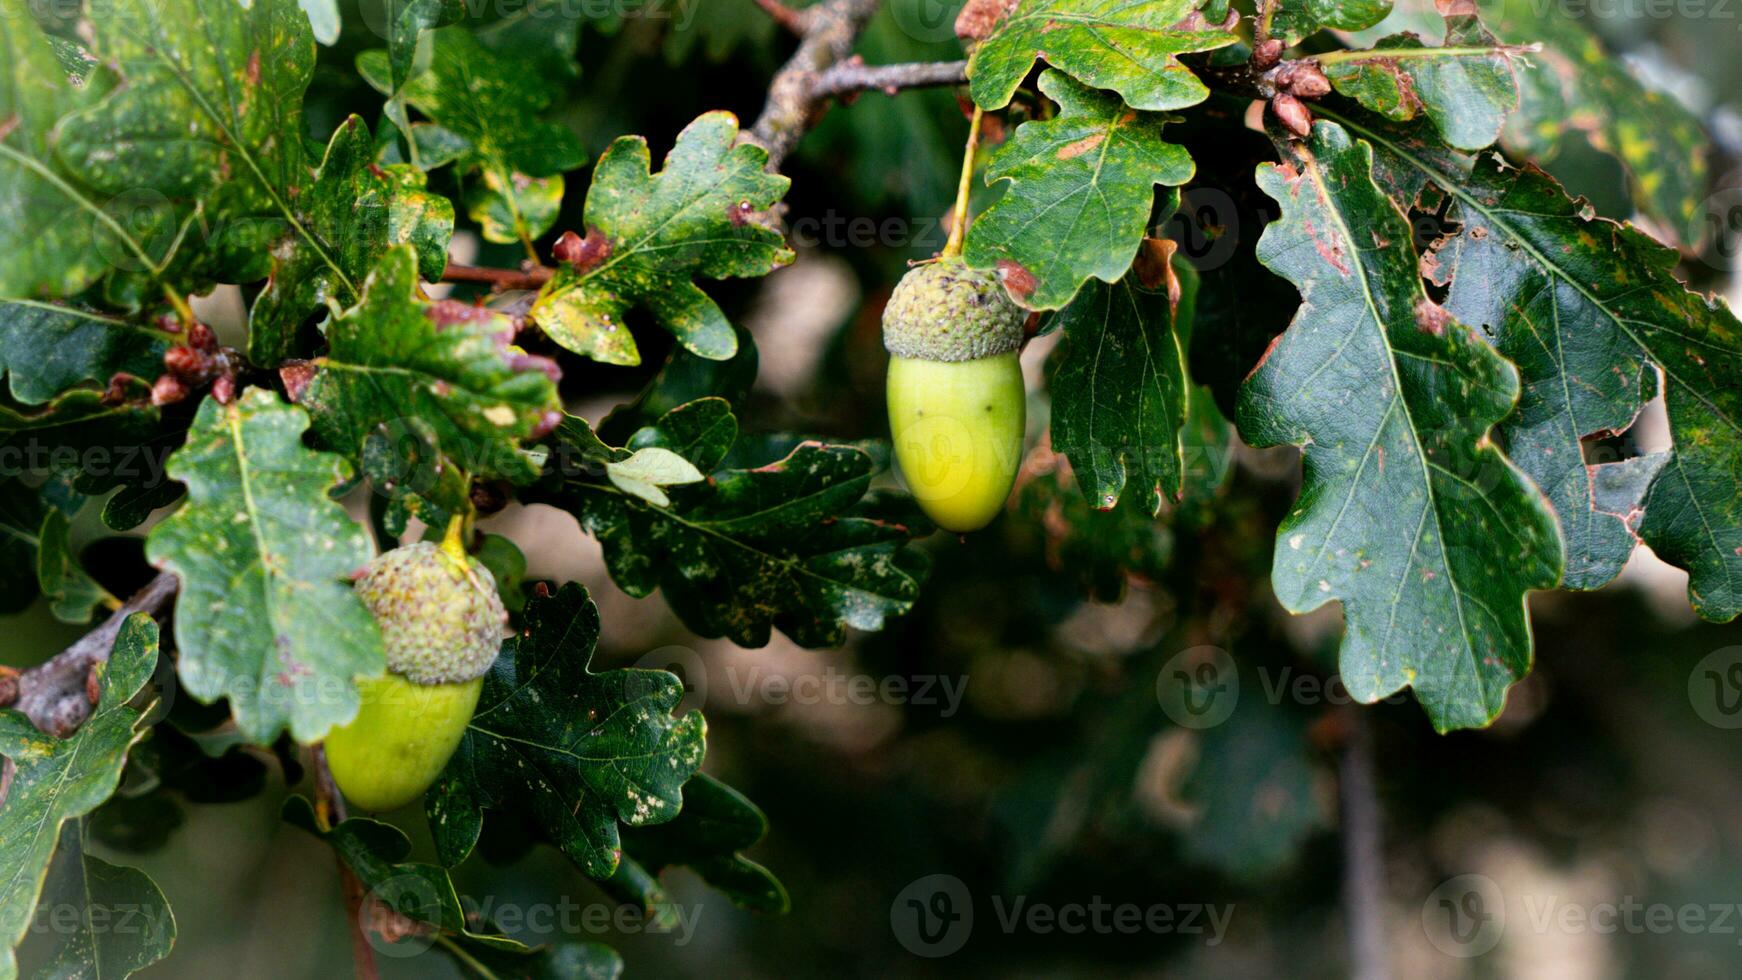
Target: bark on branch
x,y
828,30
52,694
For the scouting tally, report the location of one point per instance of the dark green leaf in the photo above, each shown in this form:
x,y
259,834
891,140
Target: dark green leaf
x,y
46,349
352,214
1408,514
1128,46
1082,186
1590,310
124,922
57,780
717,823
377,853
1119,394
650,236
450,365
55,233
1573,85
575,751
72,593
754,548
266,616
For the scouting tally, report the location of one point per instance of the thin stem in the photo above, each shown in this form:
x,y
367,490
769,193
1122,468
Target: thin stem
x,y
465,957
1363,858
330,812
179,303
498,278
959,227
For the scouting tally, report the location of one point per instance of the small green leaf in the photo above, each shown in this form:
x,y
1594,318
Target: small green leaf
x,y
574,751
1408,514
1297,19
704,214
61,779
352,214
649,469
1082,186
376,852
450,365
1128,46
266,616
72,593
1119,394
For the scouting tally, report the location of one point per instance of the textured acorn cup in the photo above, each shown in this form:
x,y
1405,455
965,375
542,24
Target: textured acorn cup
x,y
956,401
441,622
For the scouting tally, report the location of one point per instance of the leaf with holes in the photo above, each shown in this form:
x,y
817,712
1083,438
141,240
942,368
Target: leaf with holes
x,y
717,823
1591,311
1128,46
575,751
650,235
1408,514
1082,186
266,616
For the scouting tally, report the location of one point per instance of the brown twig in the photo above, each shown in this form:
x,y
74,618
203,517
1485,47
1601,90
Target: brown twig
x,y
853,75
329,813
500,279
792,20
830,28
52,694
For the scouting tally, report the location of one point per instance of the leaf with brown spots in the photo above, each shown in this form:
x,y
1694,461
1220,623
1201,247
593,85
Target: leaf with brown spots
x,y
1408,513
1591,312
1082,185
397,361
266,616
702,215
1128,46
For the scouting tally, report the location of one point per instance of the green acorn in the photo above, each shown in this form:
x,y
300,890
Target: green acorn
x,y
956,400
441,622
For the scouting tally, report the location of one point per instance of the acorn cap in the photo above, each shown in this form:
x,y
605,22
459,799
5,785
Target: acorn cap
x,y
441,619
945,311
